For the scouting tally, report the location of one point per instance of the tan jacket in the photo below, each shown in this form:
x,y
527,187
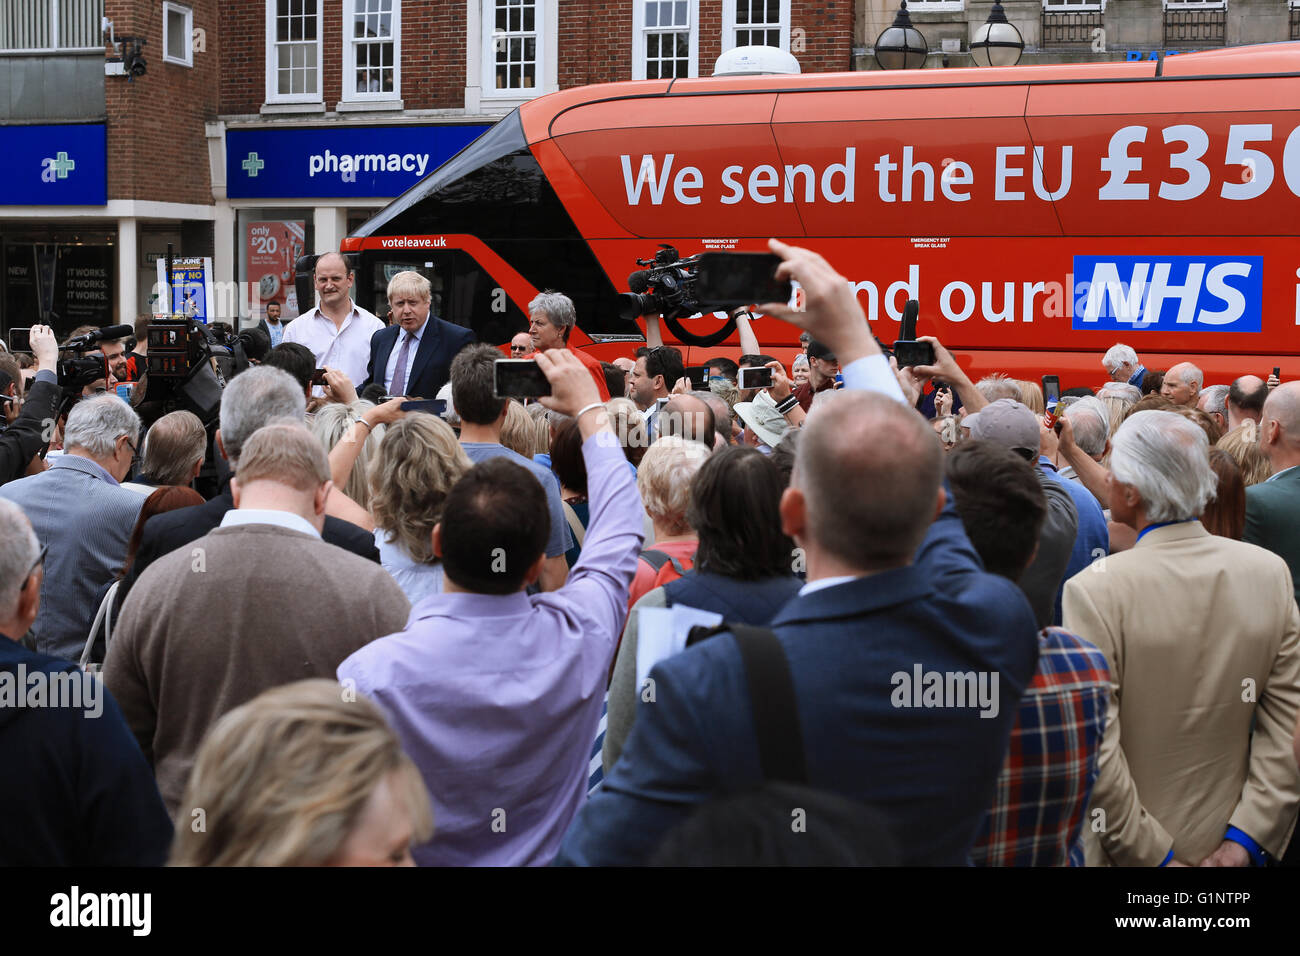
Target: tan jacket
x,y
243,609
1203,636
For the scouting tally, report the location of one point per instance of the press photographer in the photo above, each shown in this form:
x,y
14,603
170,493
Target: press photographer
x,y
28,418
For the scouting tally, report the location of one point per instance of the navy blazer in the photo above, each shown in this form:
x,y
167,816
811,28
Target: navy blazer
x,y
431,367
931,771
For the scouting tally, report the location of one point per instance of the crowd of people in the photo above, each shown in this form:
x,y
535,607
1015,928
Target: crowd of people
x,y
864,615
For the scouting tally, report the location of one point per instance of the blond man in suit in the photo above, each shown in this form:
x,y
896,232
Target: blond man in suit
x,y
1203,638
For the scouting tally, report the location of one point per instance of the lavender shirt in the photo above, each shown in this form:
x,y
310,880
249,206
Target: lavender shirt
x,y
497,698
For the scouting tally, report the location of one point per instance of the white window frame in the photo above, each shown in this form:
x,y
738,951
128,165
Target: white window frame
x,y
639,32
350,57
936,6
730,26
1070,6
1195,4
54,34
168,9
487,51
272,77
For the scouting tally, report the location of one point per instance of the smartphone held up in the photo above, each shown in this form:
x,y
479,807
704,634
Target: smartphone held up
x,y
519,378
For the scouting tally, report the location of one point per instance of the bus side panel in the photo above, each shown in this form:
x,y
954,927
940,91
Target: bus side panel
x,y
923,162
1037,293
1173,159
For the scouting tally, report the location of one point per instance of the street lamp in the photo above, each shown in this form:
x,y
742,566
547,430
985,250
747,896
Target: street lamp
x,y
901,46
998,42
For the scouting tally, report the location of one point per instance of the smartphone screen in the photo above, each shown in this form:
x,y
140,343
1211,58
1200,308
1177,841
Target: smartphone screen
x,y
20,340
1051,392
318,377
1277,371
729,279
754,378
520,378
698,375
913,353
434,406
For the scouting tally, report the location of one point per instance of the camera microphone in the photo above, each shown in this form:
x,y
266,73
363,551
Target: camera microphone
x,y
90,338
638,281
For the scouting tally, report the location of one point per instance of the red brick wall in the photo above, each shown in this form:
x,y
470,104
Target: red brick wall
x,y
596,38
594,46
156,144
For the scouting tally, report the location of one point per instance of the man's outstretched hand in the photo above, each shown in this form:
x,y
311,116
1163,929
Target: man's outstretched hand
x,y
831,311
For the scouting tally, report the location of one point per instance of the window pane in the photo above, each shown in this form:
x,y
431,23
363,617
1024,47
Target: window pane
x,y
652,14
176,34
682,18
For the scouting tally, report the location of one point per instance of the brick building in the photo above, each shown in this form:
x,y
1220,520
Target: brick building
x,y
1082,31
417,79
100,168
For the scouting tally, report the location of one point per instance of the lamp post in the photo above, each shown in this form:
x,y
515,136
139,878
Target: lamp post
x,y
997,42
901,46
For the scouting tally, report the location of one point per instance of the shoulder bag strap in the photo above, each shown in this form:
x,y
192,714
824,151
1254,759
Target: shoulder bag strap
x,y
772,699
575,524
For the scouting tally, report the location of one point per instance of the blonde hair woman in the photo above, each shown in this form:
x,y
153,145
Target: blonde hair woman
x,y
416,464
1242,443
1031,394
518,432
302,775
330,423
664,481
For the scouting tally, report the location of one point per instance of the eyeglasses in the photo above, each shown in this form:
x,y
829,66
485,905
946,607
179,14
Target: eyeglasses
x,y
40,559
521,349
135,456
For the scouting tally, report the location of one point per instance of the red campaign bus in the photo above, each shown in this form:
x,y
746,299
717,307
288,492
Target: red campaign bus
x,y
1039,214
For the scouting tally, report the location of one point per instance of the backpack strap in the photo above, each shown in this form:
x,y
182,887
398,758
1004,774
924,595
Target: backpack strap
x,y
655,558
772,699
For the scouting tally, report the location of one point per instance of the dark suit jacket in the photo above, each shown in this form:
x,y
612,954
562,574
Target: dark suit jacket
x,y
20,442
431,367
76,790
1273,520
166,532
931,770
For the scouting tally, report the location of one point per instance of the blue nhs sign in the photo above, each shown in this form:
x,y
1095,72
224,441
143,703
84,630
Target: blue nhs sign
x,y
1169,293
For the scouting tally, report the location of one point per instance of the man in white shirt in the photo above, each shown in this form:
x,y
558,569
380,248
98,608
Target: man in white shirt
x,y
338,330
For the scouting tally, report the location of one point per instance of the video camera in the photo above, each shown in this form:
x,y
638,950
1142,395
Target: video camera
x,y
665,286
180,373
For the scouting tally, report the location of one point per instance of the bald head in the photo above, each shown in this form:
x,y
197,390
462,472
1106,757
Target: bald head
x,y
1182,384
1279,433
689,417
868,469
1246,397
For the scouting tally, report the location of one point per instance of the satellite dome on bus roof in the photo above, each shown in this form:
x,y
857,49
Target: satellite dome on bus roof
x,y
755,61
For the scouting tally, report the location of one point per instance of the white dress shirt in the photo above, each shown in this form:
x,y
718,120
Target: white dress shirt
x,y
399,388
346,348
282,519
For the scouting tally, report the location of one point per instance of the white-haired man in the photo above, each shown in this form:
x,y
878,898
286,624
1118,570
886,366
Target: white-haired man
x,y
1196,764
1091,421
1182,384
1122,365
420,363
82,513
1213,401
551,320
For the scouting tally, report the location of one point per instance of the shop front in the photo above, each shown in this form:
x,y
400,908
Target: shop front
x,y
293,190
